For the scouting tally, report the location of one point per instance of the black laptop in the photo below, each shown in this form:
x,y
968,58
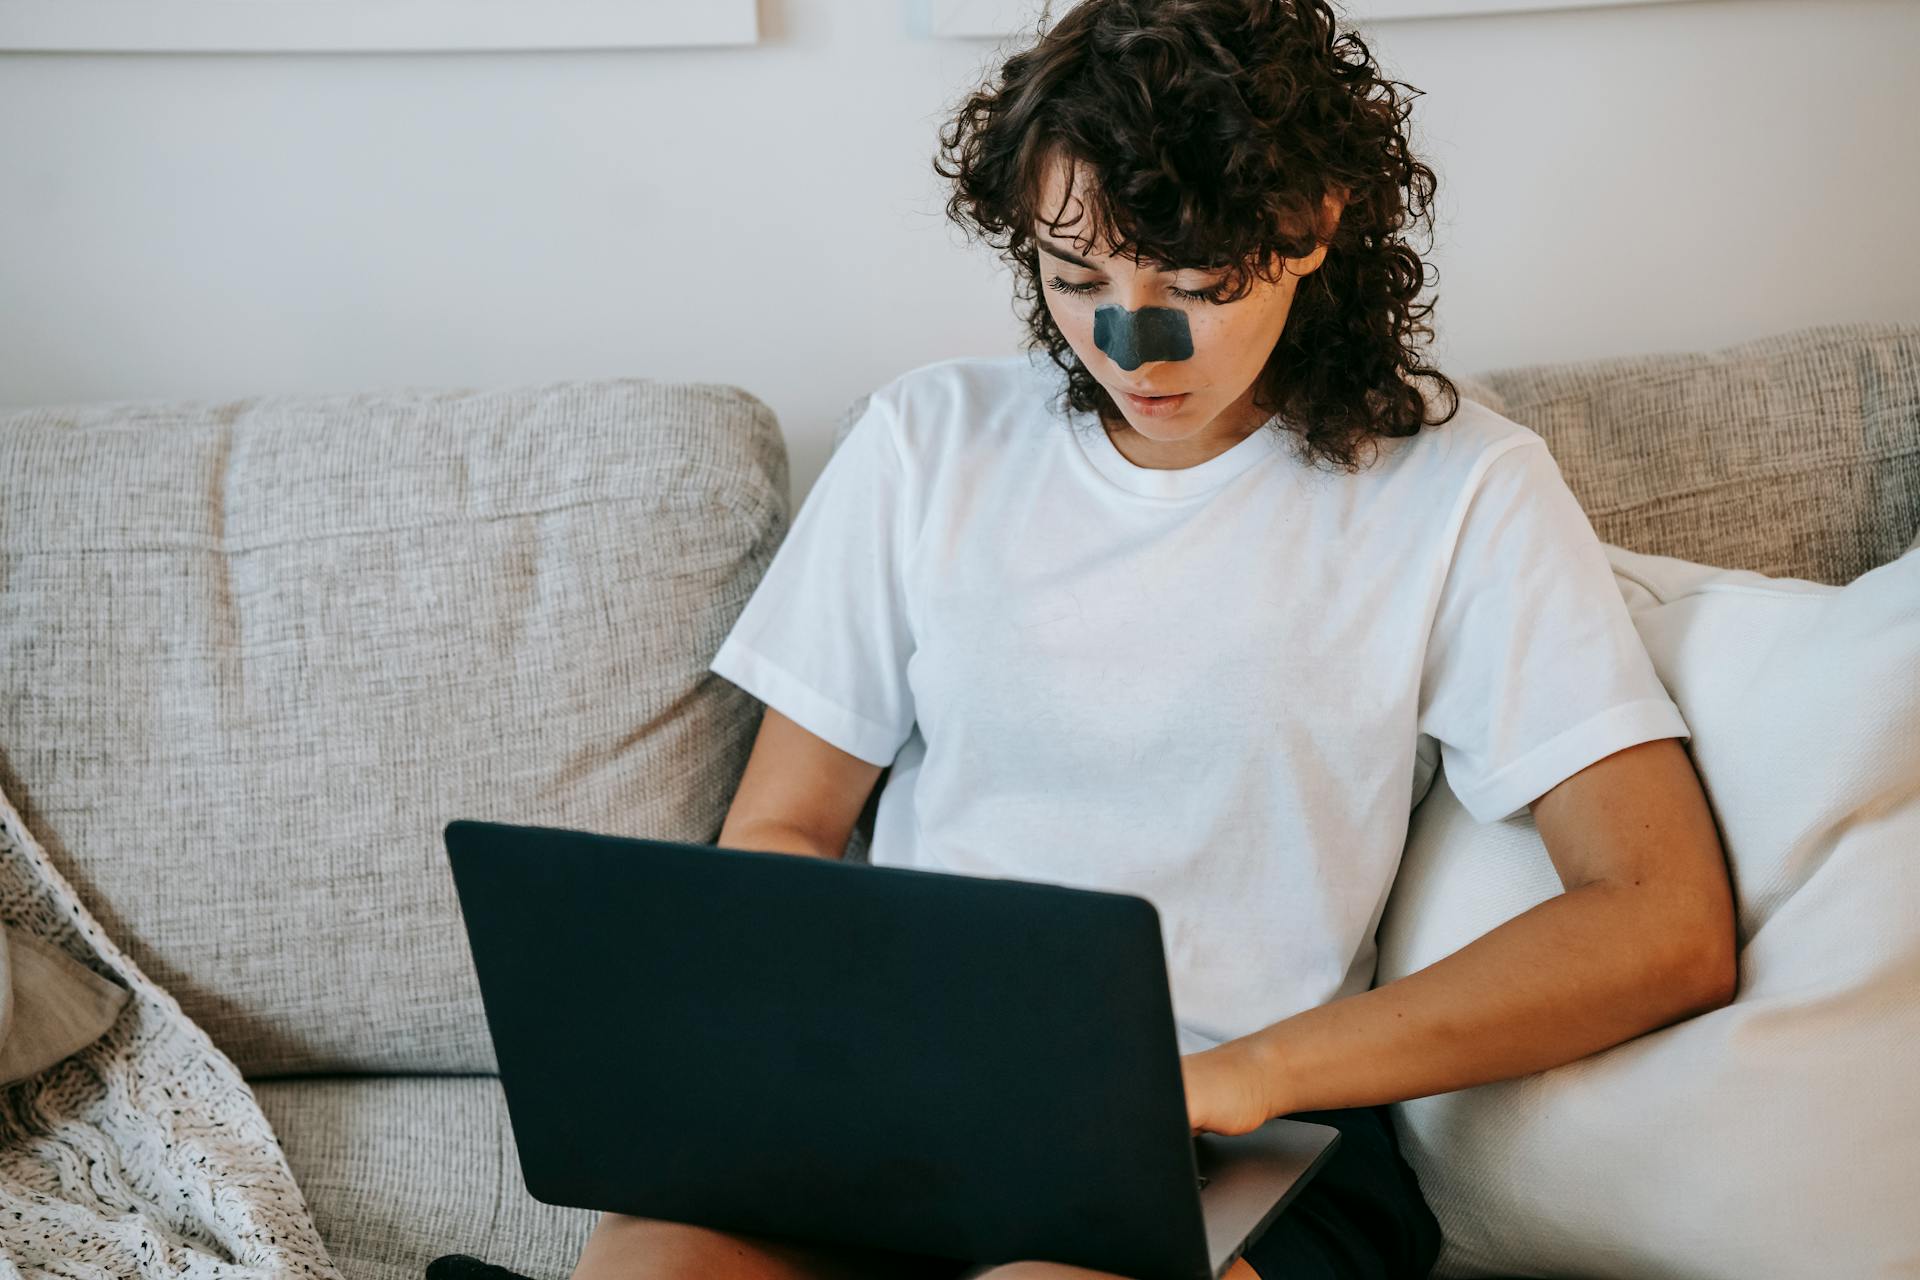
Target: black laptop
x,y
979,1068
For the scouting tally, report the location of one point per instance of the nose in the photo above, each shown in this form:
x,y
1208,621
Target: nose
x,y
1132,338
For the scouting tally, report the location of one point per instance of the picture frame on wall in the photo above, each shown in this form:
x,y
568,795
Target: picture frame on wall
x,y
369,26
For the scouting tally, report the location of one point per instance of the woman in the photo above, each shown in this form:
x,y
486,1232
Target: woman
x,y
1186,601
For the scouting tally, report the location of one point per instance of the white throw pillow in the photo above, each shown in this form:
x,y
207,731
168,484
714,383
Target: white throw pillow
x,y
1778,1136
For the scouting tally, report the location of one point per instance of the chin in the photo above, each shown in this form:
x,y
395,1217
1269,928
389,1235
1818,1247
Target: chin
x,y
1175,428
1159,433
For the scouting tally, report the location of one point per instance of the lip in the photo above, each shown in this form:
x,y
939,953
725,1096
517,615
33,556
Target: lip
x,y
1156,405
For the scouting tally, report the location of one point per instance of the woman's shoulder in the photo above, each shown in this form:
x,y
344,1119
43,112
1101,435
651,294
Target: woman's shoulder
x,y
1461,448
969,383
962,402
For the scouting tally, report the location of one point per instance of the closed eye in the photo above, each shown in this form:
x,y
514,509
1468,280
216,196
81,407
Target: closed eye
x,y
1055,282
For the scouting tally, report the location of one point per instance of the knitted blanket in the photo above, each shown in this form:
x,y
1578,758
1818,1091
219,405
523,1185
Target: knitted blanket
x,y
144,1154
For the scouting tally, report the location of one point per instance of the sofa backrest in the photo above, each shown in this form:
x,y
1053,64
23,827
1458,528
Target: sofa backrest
x,y
1795,455
258,653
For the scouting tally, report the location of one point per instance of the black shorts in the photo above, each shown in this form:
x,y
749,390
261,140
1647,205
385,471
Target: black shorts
x,y
1362,1217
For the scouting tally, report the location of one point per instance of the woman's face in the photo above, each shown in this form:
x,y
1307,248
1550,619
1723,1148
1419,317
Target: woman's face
x,y
1210,392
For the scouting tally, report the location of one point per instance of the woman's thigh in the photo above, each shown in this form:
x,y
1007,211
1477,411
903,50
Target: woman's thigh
x,y
1362,1217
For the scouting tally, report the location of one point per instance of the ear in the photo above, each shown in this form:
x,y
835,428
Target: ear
x,y
1332,204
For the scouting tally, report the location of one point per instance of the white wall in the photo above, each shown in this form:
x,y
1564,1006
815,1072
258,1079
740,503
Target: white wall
x,y
1612,180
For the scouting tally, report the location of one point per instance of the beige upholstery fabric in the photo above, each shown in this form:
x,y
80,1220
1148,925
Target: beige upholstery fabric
x,y
272,646
1795,455
398,1170
53,1006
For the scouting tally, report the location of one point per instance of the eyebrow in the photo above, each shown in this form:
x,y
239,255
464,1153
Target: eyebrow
x,y
1078,261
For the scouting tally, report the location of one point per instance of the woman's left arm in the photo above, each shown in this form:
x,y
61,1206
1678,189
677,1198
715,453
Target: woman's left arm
x,y
1643,937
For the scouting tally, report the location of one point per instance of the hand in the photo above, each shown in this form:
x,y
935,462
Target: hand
x,y
1226,1089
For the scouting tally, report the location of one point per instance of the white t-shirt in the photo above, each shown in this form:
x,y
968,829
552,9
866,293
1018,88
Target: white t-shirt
x,y
1218,687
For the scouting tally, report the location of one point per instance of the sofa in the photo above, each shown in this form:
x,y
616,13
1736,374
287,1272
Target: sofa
x,y
259,651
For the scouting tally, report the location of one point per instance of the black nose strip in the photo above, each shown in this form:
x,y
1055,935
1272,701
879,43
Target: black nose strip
x,y
1131,338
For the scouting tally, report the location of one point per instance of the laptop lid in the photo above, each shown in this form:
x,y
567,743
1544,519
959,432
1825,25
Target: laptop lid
x,y
784,1045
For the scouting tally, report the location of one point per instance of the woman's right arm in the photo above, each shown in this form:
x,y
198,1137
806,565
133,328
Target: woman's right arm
x,y
798,794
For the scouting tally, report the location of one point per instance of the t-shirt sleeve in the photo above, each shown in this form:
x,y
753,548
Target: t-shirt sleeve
x,y
824,638
1533,667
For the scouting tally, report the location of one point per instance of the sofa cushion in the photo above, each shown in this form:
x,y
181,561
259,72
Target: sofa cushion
x,y
259,652
399,1170
1774,1137
1795,455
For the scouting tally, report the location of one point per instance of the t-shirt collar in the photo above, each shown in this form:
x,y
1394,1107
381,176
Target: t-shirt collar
x,y
1180,482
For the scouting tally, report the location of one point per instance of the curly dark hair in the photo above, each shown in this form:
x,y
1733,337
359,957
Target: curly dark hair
x,y
1213,130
